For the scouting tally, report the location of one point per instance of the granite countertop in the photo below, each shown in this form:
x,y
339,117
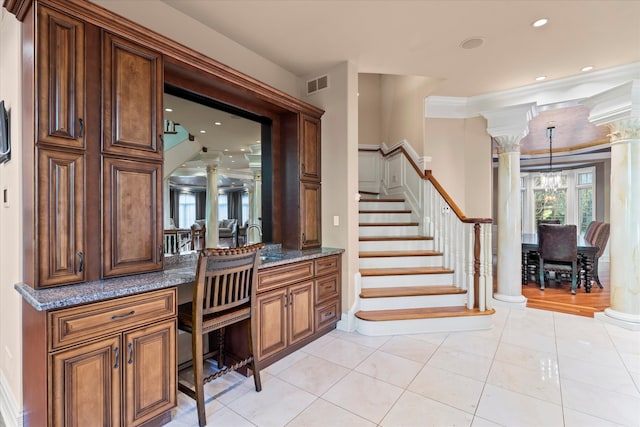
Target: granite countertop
x,y
179,270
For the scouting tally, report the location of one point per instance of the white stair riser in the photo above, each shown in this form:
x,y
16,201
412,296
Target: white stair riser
x,y
396,245
401,262
419,326
407,280
394,303
384,217
386,231
381,206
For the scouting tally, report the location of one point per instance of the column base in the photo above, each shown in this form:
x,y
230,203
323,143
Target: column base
x,y
618,318
518,302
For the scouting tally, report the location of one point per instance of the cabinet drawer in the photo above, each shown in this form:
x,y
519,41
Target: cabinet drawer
x,y
326,265
327,314
327,288
73,325
284,275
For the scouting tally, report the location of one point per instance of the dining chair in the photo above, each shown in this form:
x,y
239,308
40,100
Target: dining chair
x,y
224,294
591,230
558,252
600,239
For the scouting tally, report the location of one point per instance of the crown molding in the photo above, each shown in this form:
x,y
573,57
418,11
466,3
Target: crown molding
x,y
510,121
553,94
620,102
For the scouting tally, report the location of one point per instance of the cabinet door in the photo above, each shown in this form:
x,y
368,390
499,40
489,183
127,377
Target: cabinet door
x,y
60,68
310,212
60,217
272,320
310,148
85,384
300,311
132,99
132,217
149,361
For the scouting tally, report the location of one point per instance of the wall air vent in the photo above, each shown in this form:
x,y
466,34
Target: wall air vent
x,y
317,84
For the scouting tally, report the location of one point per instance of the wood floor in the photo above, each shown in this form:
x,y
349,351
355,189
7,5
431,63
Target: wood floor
x,y
557,297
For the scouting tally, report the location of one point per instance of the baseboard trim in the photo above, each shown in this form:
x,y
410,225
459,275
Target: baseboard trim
x,y
11,413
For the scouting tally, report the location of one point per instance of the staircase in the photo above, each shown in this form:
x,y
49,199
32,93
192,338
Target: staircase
x,y
404,286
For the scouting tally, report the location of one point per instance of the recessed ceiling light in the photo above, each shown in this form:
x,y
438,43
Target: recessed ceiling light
x,y
226,149
540,22
168,110
589,68
217,123
539,79
242,149
203,131
230,156
472,43
258,141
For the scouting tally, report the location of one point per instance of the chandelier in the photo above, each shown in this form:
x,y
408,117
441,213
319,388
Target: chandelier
x,y
551,180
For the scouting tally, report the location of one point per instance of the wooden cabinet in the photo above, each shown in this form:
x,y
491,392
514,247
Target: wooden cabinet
x,y
295,304
127,376
60,219
310,213
285,317
132,217
60,79
309,148
132,89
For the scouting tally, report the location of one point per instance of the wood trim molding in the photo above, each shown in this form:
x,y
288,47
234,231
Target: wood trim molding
x,y
19,8
429,176
122,26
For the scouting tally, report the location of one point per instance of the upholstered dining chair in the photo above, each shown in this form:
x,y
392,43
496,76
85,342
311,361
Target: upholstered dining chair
x,y
599,239
558,252
223,294
591,230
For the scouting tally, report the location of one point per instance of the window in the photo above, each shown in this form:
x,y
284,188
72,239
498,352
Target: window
x,y
245,207
223,203
186,209
572,203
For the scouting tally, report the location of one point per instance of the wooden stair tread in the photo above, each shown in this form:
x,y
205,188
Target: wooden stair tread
x,y
382,200
379,254
385,211
420,313
392,238
387,224
410,291
562,307
403,271
369,193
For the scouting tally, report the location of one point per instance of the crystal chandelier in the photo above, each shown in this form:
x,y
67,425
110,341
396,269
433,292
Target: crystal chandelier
x,y
551,180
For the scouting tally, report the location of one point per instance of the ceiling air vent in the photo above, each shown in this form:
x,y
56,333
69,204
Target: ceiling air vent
x,y
317,84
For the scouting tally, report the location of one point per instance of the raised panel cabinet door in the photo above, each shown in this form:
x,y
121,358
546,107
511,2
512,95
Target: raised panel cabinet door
x,y
310,198
132,217
271,311
132,99
60,217
149,362
310,148
85,385
60,79
301,311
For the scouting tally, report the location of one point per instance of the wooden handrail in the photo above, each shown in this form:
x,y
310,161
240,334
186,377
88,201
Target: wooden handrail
x,y
428,175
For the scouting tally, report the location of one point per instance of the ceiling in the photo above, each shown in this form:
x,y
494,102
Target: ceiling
x,y
423,37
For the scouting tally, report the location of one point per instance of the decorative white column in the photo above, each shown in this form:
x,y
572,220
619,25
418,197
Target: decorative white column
x,y
166,202
212,236
619,109
508,126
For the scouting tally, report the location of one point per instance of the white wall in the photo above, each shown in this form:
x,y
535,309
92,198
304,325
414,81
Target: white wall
x,y
11,226
340,168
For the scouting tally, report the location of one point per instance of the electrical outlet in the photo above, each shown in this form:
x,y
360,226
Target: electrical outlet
x,y
336,220
5,197
446,210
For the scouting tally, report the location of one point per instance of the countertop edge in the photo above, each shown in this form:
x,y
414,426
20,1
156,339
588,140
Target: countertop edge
x,y
105,289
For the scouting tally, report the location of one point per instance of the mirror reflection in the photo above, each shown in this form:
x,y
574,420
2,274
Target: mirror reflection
x,y
212,177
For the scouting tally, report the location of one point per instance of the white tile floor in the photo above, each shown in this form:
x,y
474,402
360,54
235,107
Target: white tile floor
x,y
534,368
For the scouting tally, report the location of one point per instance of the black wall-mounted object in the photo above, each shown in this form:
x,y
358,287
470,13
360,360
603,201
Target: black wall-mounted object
x,y
5,141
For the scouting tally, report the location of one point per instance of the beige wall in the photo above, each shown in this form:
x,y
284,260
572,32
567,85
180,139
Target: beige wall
x,y
460,151
369,109
11,225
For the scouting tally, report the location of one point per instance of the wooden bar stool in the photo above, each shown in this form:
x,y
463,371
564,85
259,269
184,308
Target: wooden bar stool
x,y
224,294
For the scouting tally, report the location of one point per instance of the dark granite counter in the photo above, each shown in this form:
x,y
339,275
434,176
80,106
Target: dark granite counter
x,y
179,270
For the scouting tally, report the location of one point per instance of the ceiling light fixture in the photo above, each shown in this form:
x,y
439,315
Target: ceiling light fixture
x,y
168,110
203,131
588,68
472,43
541,78
217,123
551,180
540,22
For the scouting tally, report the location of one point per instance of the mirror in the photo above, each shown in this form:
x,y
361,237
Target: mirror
x,y
198,134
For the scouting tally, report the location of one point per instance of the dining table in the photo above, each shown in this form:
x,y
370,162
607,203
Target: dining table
x,y
586,258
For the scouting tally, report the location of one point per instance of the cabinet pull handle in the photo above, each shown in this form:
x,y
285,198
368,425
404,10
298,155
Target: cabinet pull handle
x,y
81,122
120,316
80,262
117,352
304,238
130,361
160,252
161,139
